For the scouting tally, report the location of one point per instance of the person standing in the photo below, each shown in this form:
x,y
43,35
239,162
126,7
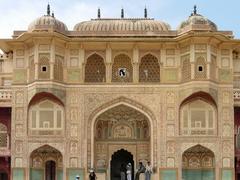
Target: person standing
x,y
141,169
129,171
92,175
122,172
148,171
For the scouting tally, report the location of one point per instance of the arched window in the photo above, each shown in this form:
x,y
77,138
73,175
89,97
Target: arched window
x,y
200,68
186,69
198,162
95,70
45,117
198,118
149,69
122,69
3,135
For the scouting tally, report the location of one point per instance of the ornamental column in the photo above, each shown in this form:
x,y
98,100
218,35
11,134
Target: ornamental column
x,y
52,59
108,64
135,65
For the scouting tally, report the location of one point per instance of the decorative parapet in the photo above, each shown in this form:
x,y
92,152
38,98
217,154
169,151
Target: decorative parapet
x,y
5,94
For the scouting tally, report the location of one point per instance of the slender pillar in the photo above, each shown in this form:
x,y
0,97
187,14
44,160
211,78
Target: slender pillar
x,y
108,64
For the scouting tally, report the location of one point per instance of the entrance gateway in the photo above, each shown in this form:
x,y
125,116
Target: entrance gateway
x,y
121,137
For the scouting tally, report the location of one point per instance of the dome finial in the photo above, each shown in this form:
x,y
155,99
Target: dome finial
x,y
122,13
99,13
195,10
145,12
48,10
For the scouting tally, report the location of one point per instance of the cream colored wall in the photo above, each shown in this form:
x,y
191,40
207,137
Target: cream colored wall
x,y
155,100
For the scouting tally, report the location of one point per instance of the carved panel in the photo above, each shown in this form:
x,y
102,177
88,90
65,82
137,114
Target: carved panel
x,y
44,47
226,114
19,97
74,52
19,130
170,162
73,147
227,131
73,114
170,130
18,162
20,52
226,97
74,130
227,148
170,97
170,114
170,147
19,147
226,162
19,114
73,162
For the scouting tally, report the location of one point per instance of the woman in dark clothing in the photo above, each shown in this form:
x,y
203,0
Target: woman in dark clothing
x,y
92,175
141,169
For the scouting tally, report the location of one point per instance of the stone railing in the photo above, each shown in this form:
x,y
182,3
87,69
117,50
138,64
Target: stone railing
x,y
5,94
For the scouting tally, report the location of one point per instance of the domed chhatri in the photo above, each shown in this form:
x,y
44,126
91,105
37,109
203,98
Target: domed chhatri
x,y
122,26
47,23
197,22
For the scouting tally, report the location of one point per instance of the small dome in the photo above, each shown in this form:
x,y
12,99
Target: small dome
x,y
197,22
47,23
122,26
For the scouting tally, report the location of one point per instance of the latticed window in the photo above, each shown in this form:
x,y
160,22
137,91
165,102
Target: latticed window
x,y
31,68
3,135
44,67
46,116
95,70
198,118
200,68
149,69
58,68
186,69
213,67
122,69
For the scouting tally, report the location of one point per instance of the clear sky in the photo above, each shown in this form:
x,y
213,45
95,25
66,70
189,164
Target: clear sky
x,y
18,14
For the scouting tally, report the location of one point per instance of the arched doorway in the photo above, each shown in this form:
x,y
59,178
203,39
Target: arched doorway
x,y
120,158
121,127
3,175
50,170
46,163
198,163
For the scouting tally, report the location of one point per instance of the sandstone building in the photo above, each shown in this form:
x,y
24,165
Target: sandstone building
x,y
119,90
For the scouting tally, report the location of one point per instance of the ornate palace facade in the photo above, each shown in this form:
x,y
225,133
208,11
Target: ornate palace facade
x,y
114,91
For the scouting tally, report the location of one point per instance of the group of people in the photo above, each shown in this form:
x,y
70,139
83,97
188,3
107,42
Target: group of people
x,y
147,170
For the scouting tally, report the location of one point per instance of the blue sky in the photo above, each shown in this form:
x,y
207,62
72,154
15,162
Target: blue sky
x,y
17,15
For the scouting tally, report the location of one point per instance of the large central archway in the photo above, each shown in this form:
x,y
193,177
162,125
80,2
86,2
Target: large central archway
x,y
121,127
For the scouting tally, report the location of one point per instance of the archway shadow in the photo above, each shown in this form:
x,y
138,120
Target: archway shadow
x,y
121,157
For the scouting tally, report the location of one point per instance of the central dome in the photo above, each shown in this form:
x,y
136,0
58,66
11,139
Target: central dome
x,y
122,26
